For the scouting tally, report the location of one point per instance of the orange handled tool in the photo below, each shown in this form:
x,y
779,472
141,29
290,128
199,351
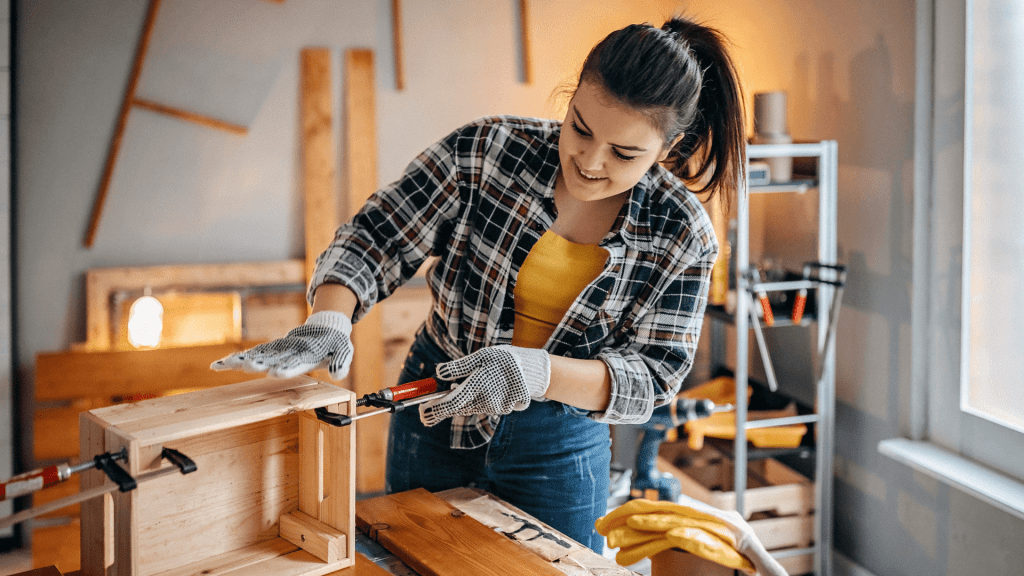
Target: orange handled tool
x,y
390,399
35,480
399,393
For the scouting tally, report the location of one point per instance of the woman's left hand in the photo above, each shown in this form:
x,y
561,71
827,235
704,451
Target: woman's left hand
x,y
494,380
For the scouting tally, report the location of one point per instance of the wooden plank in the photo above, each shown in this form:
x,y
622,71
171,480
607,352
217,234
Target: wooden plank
x,y
70,375
321,210
238,492
396,44
96,539
198,413
361,182
122,122
102,283
433,538
192,117
313,536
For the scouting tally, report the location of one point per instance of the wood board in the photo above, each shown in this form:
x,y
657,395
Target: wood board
x,y
435,539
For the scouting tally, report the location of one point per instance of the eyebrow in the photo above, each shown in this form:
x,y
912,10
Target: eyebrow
x,y
580,118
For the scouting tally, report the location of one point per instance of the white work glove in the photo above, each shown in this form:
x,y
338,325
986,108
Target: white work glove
x,y
325,338
495,380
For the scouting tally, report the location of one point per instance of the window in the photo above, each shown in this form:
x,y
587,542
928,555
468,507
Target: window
x,y
993,306
966,351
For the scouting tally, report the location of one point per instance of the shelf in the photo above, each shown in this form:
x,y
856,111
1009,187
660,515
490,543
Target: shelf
x,y
725,446
796,186
781,317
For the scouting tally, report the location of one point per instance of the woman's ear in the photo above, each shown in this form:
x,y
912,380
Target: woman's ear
x,y
667,149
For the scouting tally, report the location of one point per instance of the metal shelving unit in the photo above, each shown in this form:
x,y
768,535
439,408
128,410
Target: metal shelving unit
x,y
826,182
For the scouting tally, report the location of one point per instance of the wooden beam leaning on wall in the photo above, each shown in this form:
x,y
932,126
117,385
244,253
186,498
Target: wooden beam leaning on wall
x,y
321,209
360,145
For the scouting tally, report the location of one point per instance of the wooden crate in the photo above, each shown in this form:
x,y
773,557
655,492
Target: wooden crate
x,y
274,491
778,504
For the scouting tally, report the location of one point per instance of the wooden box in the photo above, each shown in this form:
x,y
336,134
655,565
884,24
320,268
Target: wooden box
x,y
273,491
778,504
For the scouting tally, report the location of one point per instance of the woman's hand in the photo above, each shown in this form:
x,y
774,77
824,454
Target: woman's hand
x,y
325,338
494,380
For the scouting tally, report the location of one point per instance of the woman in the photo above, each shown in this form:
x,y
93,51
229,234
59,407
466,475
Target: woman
x,y
572,272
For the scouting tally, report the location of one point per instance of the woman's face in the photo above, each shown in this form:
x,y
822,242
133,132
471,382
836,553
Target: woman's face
x,y
605,147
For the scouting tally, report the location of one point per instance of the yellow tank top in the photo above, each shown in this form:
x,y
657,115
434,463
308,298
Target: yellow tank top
x,y
553,275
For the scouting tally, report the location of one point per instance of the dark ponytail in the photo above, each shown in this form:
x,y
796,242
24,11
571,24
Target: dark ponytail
x,y
682,78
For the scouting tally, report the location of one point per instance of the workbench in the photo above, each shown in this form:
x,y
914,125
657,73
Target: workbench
x,y
455,532
464,553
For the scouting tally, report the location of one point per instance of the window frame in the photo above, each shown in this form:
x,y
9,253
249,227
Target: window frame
x,y
940,226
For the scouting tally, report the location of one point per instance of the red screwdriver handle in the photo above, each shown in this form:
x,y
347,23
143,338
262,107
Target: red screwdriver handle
x,y
413,389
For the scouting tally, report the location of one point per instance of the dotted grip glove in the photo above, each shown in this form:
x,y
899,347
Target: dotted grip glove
x,y
325,338
495,380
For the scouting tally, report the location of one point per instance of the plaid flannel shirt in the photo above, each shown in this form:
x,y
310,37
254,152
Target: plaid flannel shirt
x,y
478,200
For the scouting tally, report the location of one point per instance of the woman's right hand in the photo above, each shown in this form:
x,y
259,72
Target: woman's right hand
x,y
325,339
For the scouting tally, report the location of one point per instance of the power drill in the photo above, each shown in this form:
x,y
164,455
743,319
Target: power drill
x,y
655,430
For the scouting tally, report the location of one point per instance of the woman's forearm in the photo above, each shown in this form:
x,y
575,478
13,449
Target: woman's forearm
x,y
335,297
584,384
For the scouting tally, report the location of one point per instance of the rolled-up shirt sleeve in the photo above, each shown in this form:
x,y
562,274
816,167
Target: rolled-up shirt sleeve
x,y
649,370
399,227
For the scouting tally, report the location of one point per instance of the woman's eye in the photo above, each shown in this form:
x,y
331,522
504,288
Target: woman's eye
x,y
622,156
579,130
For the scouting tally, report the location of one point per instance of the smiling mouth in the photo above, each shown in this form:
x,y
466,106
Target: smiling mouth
x,y
585,175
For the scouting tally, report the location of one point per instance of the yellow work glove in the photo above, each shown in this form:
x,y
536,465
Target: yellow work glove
x,y
699,528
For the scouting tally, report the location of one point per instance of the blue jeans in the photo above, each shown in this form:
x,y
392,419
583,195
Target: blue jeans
x,y
546,460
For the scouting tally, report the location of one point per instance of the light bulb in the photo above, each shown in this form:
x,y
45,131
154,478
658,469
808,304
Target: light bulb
x,y
145,322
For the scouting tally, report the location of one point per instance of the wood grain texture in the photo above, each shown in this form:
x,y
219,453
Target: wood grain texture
x,y
360,182
71,375
321,210
435,539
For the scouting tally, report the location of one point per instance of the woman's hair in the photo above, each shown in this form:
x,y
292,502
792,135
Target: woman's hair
x,y
682,78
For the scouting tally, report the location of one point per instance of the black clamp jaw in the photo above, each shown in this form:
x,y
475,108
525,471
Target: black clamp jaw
x,y
107,463
375,400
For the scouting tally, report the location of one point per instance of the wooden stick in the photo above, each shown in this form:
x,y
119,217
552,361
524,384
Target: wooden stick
x,y
122,121
190,116
396,33
524,30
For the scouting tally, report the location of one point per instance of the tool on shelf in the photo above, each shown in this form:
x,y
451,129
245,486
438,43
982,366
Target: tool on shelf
x,y
106,462
386,400
655,431
813,277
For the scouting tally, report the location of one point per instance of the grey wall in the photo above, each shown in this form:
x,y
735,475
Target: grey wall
x,y
188,194
849,69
